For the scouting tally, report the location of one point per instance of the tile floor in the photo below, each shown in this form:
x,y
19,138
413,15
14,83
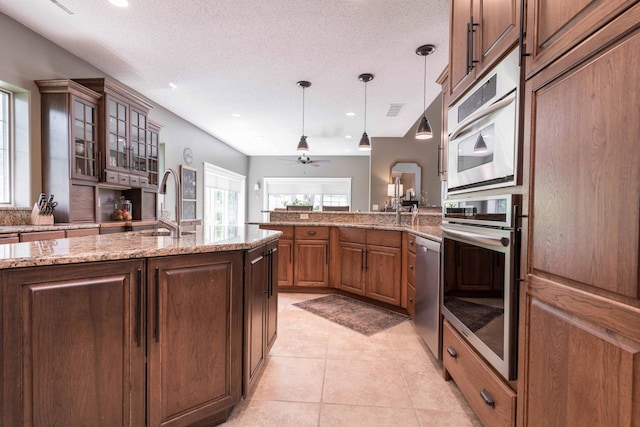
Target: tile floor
x,y
322,374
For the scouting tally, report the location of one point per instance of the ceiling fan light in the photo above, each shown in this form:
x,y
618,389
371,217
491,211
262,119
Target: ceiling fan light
x,y
480,146
303,147
365,143
424,129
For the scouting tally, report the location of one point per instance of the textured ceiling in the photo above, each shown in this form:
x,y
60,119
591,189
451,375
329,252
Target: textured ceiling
x,y
244,57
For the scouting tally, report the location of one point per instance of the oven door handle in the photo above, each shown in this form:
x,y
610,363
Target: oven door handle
x,y
483,112
478,238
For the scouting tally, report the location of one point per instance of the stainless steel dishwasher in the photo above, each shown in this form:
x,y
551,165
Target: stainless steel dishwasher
x,y
428,299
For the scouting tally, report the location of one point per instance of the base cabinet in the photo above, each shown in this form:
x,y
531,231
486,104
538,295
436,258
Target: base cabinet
x,y
311,253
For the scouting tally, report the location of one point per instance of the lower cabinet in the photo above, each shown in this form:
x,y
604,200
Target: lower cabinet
x,y
311,249
75,339
194,338
260,310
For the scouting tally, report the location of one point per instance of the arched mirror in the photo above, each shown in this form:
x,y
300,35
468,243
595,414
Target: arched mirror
x,y
410,174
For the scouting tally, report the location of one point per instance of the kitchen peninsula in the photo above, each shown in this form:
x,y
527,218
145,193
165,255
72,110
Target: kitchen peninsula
x,y
118,328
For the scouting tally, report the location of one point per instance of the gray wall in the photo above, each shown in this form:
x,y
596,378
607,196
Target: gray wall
x,y
386,151
29,56
355,167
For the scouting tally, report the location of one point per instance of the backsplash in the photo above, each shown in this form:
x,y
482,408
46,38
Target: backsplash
x,y
14,216
424,217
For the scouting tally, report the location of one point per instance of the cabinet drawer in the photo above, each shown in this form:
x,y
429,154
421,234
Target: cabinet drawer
x,y
111,176
312,233
9,238
411,267
354,235
287,230
474,377
410,241
123,178
144,181
82,232
134,181
411,299
41,235
384,238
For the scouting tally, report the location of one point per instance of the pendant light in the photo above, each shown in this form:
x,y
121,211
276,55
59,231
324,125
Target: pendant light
x,y
303,147
365,143
480,146
424,128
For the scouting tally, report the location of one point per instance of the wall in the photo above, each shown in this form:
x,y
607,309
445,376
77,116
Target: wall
x,y
29,56
355,167
386,151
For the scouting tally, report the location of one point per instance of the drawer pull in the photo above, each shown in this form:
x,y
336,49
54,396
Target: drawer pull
x,y
311,233
410,266
452,352
411,242
484,394
410,299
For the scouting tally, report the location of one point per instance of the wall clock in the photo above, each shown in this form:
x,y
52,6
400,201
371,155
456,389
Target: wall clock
x,y
187,155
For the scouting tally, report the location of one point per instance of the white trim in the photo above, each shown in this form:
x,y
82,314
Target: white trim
x,y
211,171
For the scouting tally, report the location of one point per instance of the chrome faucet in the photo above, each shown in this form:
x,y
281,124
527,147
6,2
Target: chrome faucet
x,y
175,230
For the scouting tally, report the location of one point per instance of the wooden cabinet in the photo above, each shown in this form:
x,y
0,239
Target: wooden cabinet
x,y
152,154
260,310
410,272
481,32
580,307
69,130
73,349
311,254
443,81
553,28
123,130
285,254
42,235
9,238
370,263
194,337
493,401
80,232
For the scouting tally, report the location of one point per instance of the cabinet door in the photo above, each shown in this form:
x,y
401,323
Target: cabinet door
x,y
352,265
498,31
459,47
312,268
138,142
256,289
153,144
273,249
553,28
73,345
195,337
84,134
383,266
285,262
117,156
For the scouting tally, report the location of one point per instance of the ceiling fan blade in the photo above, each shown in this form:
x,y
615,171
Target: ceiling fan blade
x,y
321,161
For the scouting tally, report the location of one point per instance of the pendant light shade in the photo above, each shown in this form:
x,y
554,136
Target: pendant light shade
x,y
424,128
365,143
480,146
303,146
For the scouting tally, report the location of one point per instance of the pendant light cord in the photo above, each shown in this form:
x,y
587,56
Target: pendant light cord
x,y
424,87
365,107
303,110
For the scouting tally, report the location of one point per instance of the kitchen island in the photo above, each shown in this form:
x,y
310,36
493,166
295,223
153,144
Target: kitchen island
x,y
129,329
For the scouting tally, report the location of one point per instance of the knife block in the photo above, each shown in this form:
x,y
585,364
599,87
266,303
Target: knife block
x,y
38,219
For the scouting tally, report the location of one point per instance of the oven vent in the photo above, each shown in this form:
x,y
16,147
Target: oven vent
x,y
61,6
394,110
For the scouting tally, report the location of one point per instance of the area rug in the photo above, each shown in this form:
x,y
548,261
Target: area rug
x,y
473,315
356,315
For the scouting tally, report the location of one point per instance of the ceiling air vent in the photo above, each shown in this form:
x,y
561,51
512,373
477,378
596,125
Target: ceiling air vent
x,y
61,6
394,110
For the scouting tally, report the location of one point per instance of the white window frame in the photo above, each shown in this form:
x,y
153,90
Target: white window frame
x,y
213,170
7,144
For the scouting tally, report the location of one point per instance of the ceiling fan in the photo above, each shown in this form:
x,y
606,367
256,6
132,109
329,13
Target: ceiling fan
x,y
306,160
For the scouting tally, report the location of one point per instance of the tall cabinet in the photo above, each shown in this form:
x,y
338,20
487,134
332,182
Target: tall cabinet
x,y
580,306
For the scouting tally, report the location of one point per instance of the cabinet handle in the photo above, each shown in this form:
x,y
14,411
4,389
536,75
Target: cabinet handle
x,y
439,159
410,266
311,233
366,259
488,400
156,317
470,30
363,259
139,310
410,299
452,352
411,242
522,45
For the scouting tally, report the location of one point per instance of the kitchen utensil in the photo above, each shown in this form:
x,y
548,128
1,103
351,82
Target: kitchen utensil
x,y
49,210
42,201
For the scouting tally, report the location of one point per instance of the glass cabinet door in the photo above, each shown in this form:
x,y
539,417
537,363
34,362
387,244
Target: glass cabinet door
x,y
153,142
118,153
84,147
138,141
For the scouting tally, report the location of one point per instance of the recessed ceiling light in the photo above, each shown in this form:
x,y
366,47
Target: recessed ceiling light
x,y
119,3
351,114
348,136
172,85
235,115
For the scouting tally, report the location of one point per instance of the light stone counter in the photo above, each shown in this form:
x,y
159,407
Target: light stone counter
x,y
136,244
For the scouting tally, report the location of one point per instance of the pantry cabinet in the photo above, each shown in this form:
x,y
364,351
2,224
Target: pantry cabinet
x,y
481,32
580,309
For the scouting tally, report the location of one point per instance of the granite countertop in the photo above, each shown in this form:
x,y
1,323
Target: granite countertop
x,y
128,245
431,232
28,228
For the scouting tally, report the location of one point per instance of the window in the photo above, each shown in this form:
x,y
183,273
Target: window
x,y
6,102
224,194
316,192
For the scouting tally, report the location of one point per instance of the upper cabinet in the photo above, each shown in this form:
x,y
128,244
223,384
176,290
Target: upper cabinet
x,y
481,32
555,27
123,135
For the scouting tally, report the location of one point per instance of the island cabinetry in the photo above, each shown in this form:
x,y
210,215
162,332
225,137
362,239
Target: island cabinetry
x,y
194,335
580,306
285,253
73,345
481,32
70,166
410,243
260,310
311,253
370,263
42,235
